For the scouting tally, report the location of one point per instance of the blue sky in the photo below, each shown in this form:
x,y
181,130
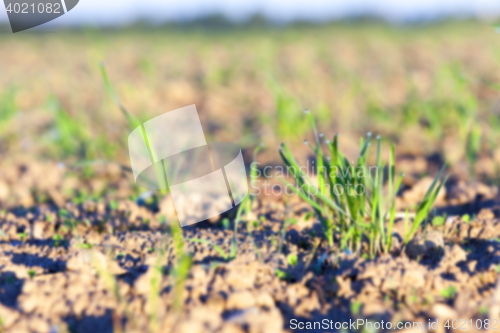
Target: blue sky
x,y
112,12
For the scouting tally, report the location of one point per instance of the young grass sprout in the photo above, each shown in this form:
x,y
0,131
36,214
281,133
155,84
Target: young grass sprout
x,y
182,266
349,199
133,123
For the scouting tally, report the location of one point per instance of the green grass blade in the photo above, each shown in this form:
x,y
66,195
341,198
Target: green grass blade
x,y
304,196
426,204
392,163
132,121
393,214
234,244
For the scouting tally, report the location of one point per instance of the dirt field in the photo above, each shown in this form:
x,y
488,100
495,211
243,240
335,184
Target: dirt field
x,y
86,250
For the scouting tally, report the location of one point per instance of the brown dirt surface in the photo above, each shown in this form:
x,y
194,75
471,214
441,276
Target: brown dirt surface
x,y
98,275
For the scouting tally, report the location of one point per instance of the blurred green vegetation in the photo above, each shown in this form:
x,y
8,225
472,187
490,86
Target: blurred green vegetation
x,y
421,86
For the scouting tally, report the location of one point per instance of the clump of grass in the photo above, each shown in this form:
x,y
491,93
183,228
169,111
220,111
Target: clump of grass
x,y
349,199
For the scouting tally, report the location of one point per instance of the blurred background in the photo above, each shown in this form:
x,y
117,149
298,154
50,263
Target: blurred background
x,y
422,74
121,12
